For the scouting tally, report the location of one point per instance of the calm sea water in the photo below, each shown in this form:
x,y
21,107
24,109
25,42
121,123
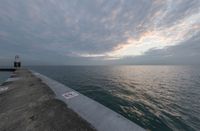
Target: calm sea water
x,y
158,98
3,76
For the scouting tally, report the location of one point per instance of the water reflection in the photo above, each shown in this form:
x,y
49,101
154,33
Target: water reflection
x,y
155,97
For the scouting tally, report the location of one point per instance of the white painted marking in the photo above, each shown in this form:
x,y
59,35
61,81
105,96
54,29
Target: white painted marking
x,y
3,89
69,95
13,79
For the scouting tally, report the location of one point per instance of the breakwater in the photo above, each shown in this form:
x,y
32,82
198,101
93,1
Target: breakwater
x,y
39,99
28,104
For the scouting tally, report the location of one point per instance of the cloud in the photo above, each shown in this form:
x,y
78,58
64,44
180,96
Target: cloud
x,y
94,30
186,53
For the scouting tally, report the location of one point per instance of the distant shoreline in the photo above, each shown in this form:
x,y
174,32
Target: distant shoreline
x,y
7,69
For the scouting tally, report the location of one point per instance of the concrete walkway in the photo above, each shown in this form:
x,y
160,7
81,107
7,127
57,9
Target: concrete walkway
x,y
99,116
27,104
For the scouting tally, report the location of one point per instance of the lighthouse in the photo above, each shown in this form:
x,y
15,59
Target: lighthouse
x,y
17,63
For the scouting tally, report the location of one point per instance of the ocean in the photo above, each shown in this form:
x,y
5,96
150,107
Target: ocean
x,y
158,98
4,76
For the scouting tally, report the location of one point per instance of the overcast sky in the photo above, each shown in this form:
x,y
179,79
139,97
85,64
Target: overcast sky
x,y
79,32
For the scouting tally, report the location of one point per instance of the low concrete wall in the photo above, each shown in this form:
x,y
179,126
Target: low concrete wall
x,y
101,117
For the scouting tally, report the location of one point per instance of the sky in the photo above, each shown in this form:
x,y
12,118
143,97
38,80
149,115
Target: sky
x,y
100,32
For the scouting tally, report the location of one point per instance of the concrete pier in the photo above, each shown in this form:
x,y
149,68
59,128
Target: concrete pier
x,y
27,104
32,101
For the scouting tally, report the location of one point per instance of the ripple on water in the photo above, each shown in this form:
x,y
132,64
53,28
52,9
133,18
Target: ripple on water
x,y
155,97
